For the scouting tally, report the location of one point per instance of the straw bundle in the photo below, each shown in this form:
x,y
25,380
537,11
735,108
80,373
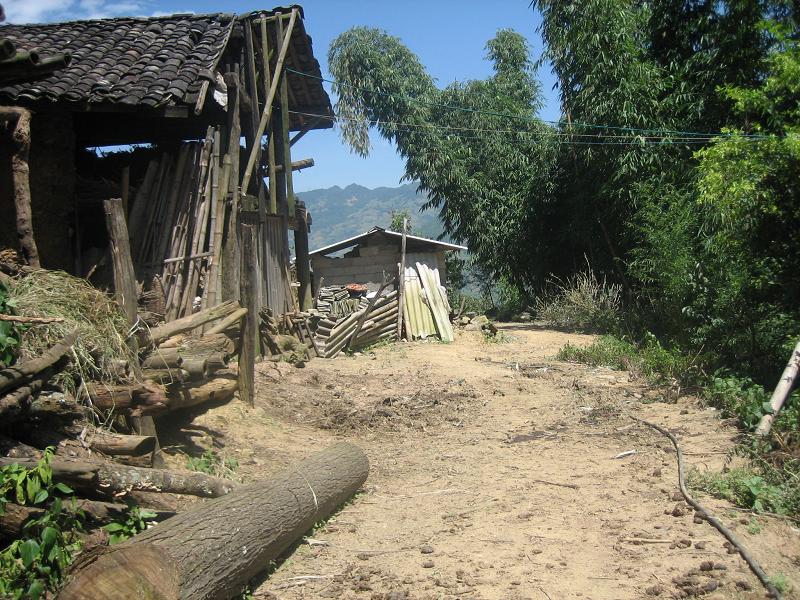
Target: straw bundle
x,y
100,323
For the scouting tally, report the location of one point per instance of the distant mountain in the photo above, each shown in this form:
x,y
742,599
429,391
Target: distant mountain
x,y
339,213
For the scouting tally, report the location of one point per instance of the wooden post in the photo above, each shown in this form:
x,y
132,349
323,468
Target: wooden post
x,y
124,278
247,282
782,391
20,173
301,248
401,282
230,245
265,116
125,292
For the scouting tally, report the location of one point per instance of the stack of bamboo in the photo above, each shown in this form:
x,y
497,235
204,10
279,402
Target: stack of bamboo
x,y
366,326
177,221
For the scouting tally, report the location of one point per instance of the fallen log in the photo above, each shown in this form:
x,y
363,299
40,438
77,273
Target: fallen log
x,y
220,311
113,478
146,398
213,549
192,395
227,322
117,444
15,376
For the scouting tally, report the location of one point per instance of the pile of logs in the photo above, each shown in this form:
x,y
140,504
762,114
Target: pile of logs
x,y
374,323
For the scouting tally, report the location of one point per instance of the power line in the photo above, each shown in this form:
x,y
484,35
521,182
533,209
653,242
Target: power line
x,y
524,117
542,136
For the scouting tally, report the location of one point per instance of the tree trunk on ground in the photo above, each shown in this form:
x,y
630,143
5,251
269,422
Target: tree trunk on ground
x,y
161,333
213,549
192,395
116,444
19,374
145,398
112,478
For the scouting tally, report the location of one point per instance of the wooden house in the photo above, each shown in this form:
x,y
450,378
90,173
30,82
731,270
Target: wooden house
x,y
187,88
376,253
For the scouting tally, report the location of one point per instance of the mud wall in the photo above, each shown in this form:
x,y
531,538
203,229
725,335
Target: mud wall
x,y
52,172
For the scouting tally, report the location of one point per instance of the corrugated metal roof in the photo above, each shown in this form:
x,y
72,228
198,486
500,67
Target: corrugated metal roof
x,y
375,231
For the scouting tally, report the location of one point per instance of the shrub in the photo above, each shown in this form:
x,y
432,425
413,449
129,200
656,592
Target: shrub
x,y
582,303
649,359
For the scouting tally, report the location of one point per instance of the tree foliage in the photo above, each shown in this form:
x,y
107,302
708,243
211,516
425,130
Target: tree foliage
x,y
492,188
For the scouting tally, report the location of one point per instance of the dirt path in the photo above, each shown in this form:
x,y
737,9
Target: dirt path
x,y
493,475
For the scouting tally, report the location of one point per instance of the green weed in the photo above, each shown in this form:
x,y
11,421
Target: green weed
x,y
743,487
135,522
211,463
649,360
35,564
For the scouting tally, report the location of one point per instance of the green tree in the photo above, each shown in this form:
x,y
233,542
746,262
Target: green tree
x,y
491,185
400,219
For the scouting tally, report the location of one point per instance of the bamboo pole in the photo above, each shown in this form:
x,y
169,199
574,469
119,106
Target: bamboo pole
x,y
285,124
273,198
265,116
782,391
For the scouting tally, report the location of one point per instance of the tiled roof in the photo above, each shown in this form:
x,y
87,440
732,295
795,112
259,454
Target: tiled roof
x,y
158,61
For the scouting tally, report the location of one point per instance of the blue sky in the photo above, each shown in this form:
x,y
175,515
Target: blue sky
x,y
448,36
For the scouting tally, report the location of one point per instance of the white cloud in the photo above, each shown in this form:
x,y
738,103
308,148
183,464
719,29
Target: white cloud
x,y
44,11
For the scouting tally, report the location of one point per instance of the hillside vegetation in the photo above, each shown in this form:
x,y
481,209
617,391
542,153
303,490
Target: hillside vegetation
x,y
339,213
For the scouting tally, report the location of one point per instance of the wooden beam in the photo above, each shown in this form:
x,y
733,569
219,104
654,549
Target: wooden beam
x,y
124,277
271,168
265,116
306,128
297,165
126,295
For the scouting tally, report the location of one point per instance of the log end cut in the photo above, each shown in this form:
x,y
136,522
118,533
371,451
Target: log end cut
x,y
142,572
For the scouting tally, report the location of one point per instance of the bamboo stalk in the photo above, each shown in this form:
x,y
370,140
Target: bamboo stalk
x,y
217,219
265,116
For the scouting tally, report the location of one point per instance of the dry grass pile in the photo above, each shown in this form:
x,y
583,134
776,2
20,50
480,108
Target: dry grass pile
x,y
101,326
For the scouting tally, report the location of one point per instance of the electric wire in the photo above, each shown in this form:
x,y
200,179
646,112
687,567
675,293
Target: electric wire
x,y
529,118
538,136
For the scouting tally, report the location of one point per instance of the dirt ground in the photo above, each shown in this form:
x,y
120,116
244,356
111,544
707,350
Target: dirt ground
x,y
496,474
